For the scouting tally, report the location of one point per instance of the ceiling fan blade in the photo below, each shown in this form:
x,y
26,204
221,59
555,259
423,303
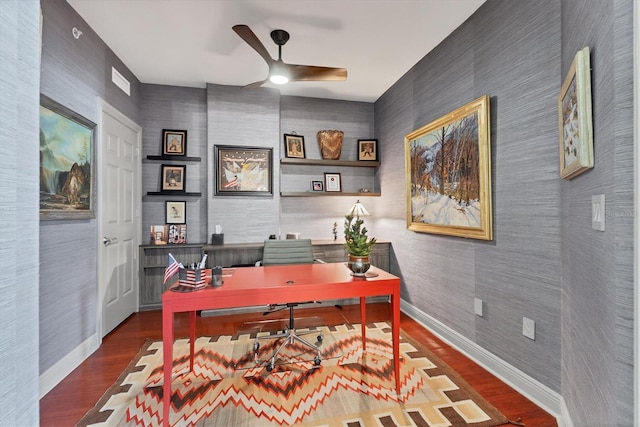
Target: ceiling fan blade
x,y
314,73
252,40
255,84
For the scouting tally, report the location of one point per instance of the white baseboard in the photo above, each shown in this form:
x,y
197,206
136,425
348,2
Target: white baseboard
x,y
55,374
565,419
531,388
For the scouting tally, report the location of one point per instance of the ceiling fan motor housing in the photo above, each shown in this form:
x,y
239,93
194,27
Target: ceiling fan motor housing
x,y
279,37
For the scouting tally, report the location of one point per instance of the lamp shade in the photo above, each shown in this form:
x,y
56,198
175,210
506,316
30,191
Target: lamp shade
x,y
358,210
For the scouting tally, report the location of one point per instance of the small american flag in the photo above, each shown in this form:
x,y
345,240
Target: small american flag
x,y
172,268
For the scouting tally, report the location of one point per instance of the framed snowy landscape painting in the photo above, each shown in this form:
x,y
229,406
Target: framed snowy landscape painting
x,y
448,168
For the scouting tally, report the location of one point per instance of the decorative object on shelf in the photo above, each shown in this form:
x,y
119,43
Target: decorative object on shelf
x,y
574,117
332,182
448,174
294,145
217,238
175,212
67,172
243,171
330,143
174,142
358,245
335,231
317,186
158,235
174,177
368,150
364,190
177,234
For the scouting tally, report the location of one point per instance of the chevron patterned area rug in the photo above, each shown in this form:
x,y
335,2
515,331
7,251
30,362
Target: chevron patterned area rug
x,y
351,388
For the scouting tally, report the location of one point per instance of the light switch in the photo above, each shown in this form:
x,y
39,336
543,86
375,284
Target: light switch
x,y
477,306
597,212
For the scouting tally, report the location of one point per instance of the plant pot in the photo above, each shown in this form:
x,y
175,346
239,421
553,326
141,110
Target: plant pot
x,y
359,265
330,144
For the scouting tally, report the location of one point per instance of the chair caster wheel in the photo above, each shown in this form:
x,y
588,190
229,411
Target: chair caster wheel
x,y
320,337
269,367
317,361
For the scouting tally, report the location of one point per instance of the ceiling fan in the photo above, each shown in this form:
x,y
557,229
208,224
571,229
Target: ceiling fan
x,y
281,72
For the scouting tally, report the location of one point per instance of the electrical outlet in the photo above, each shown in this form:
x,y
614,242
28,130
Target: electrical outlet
x,y
477,306
529,328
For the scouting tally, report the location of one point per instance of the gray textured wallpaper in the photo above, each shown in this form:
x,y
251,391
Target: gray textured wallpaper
x,y
518,273
74,73
19,122
545,262
597,279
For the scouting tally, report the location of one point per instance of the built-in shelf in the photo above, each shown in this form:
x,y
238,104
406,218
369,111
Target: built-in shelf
x,y
321,162
325,194
173,193
175,158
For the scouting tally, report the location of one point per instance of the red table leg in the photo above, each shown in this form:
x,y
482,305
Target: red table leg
x,y
192,337
167,354
395,334
363,321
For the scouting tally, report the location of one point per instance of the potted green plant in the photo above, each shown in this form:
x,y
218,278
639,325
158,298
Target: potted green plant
x,y
358,245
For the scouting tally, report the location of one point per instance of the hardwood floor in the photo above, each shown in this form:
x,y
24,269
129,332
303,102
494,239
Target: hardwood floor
x,y
80,390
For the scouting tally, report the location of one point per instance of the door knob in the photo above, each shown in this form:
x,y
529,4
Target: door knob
x,y
108,241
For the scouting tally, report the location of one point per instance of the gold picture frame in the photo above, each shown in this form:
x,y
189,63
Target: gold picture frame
x,y
574,118
448,174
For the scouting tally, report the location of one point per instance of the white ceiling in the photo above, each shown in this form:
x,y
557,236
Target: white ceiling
x,y
190,42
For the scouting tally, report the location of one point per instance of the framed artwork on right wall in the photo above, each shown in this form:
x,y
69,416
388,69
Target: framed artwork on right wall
x,y
574,118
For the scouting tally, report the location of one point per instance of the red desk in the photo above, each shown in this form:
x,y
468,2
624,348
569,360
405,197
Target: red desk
x,y
251,286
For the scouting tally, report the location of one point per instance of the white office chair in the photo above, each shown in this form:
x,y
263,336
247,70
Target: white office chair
x,y
287,252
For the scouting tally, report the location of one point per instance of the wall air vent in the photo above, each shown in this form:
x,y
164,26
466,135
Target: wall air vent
x,y
120,81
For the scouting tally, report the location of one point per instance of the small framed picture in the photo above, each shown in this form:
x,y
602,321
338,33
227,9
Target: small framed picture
x,y
332,182
575,118
177,234
317,186
158,235
174,142
173,177
175,212
294,146
368,149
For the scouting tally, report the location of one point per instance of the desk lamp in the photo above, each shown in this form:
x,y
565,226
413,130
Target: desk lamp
x,y
358,210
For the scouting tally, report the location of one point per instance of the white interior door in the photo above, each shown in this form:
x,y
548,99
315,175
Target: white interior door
x,y
119,193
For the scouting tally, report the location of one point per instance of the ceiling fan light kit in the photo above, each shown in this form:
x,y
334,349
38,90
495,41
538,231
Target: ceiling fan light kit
x,y
280,72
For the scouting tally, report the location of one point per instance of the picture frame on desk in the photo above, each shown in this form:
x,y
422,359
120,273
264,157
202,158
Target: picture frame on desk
x,y
159,235
174,177
176,212
174,142
67,163
317,186
177,234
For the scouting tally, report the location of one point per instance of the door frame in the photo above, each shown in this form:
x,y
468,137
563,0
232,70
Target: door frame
x,y
106,108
